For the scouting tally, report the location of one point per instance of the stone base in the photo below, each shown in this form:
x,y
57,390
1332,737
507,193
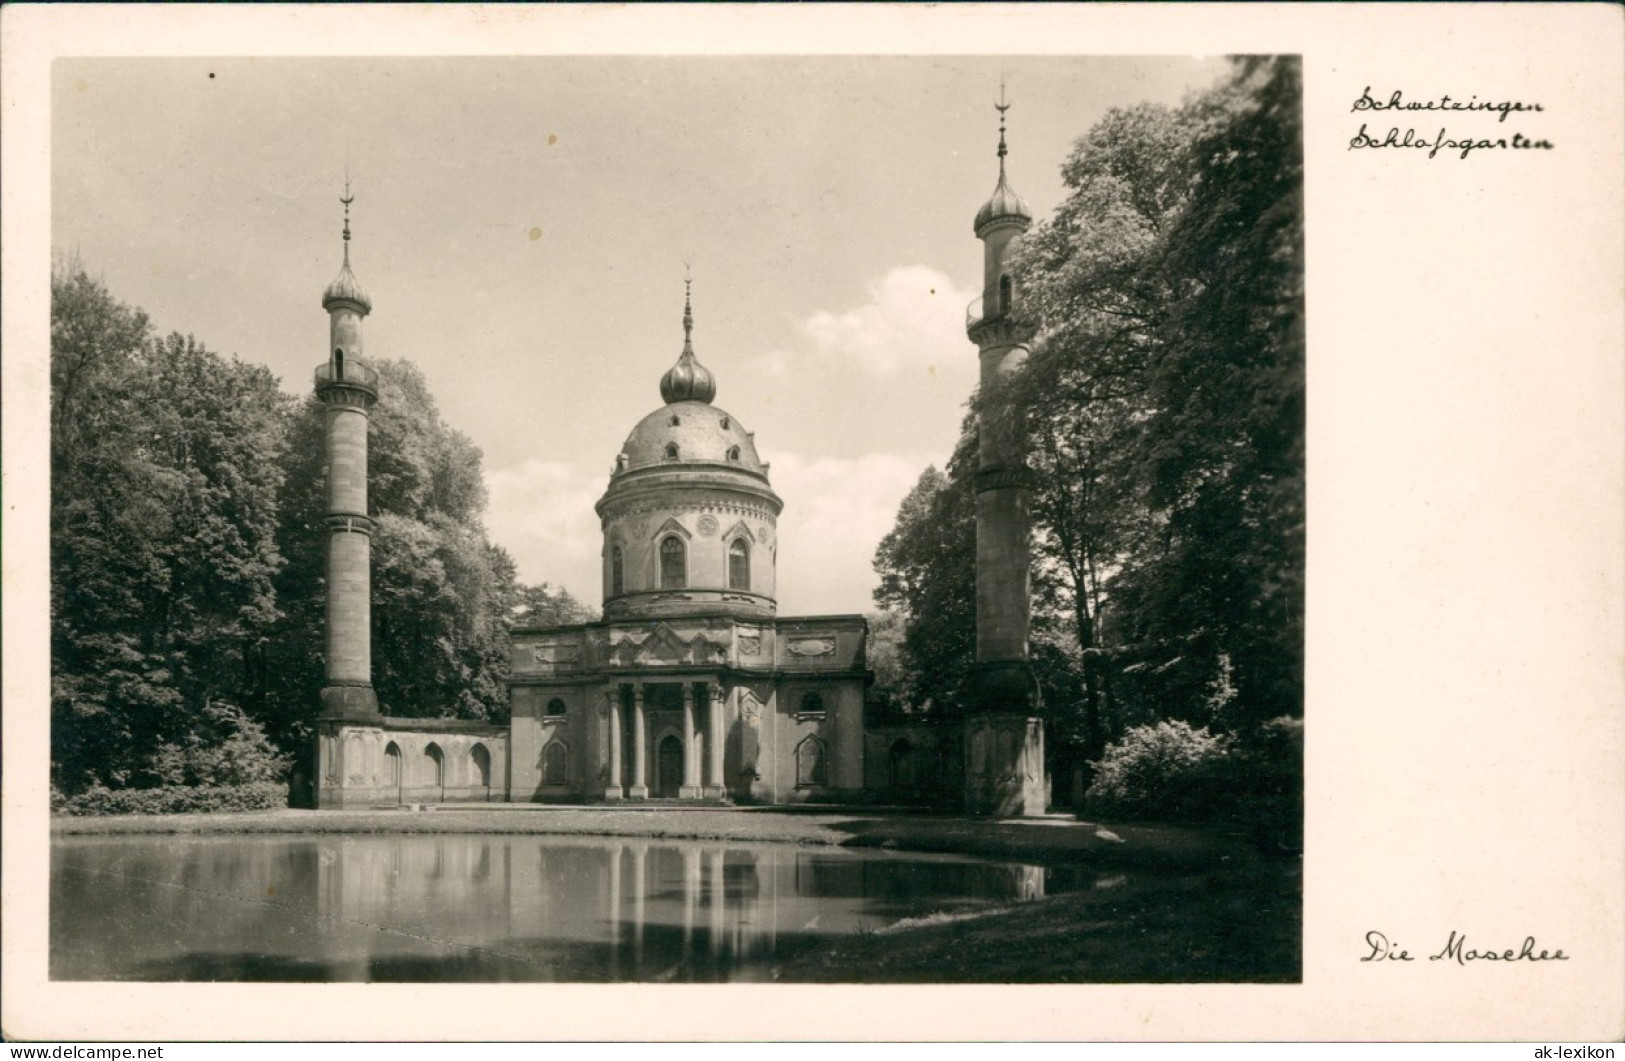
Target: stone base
x,y
1004,765
637,792
352,703
713,792
688,792
614,794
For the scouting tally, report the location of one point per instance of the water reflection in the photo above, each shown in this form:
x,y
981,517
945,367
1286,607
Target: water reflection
x,y
444,908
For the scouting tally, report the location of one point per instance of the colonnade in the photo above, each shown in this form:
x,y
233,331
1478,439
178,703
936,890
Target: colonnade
x,y
700,748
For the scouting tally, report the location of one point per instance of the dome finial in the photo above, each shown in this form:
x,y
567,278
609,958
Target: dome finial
x,y
688,310
688,380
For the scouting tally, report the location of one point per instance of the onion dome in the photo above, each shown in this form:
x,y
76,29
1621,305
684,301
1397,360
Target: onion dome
x,y
688,380
346,288
1004,204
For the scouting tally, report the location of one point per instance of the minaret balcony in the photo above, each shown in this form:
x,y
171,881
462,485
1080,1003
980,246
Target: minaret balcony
x,y
993,307
350,374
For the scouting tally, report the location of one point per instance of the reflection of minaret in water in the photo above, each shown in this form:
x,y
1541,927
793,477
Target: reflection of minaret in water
x,y
1004,744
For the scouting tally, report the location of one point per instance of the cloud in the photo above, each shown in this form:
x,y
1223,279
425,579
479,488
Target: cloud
x,y
541,512
835,513
913,319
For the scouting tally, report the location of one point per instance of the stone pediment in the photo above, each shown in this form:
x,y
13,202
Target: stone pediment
x,y
665,647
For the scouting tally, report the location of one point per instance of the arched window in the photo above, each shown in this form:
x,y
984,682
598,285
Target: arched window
x,y
811,769
392,765
675,420
617,572
671,451
739,565
1006,295
556,707
338,365
482,767
725,423
556,763
733,453
673,563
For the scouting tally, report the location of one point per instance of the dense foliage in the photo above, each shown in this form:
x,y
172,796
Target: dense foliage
x,y
188,559
1163,405
172,799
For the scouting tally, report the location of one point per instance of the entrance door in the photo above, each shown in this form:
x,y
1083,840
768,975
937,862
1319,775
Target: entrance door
x,y
668,768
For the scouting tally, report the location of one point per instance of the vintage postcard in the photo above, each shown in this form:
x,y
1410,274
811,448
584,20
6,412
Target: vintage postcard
x,y
853,521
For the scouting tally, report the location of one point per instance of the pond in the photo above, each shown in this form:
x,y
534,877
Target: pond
x,y
486,908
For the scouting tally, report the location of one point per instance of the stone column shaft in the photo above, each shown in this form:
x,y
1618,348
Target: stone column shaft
x,y
716,737
691,758
617,776
639,788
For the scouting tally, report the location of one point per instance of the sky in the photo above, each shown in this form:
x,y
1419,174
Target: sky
x,y
522,227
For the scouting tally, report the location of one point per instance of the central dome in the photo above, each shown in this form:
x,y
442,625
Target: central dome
x,y
689,432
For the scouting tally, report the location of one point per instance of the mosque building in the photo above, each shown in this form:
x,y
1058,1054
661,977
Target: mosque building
x,y
691,687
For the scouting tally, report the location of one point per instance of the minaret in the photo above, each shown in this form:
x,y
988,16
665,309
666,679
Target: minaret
x,y
1004,740
348,387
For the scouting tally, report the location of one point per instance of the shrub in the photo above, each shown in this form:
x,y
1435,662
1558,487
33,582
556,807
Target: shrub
x,y
227,749
173,799
1169,771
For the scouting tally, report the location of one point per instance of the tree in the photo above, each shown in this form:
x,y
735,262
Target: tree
x,y
166,473
1228,395
545,606
927,567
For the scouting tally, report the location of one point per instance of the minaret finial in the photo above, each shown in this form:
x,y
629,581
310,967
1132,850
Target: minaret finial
x,y
1001,107
347,200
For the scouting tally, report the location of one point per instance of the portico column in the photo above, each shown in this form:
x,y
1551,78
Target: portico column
x,y
612,704
691,760
715,740
640,748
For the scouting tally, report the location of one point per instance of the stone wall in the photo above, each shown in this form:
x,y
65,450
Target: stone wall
x,y
401,761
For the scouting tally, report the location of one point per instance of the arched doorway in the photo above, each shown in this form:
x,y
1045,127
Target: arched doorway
x,y
668,767
902,766
482,772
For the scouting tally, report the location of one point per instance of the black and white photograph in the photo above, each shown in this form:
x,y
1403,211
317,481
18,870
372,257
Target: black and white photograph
x,y
716,526
755,515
